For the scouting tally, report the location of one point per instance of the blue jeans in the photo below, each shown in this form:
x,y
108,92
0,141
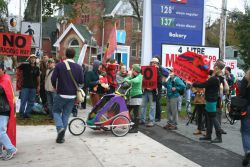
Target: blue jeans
x,y
50,99
62,108
148,97
245,132
4,138
28,97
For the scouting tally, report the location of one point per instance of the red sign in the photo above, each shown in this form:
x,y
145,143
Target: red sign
x,y
149,77
192,67
179,1
15,44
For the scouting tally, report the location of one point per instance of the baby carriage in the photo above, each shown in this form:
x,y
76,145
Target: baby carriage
x,y
109,114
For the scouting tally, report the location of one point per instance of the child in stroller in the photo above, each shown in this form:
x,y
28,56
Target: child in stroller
x,y
110,113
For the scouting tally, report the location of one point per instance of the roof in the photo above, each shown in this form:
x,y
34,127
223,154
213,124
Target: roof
x,y
49,29
110,5
82,31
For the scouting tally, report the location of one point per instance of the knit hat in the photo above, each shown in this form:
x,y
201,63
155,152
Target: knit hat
x,y
165,72
220,64
136,67
51,60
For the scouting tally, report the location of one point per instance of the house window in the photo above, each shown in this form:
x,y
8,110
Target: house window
x,y
85,18
136,25
235,53
122,23
74,43
133,49
139,47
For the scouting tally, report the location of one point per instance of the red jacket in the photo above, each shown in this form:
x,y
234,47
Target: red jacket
x,y
6,84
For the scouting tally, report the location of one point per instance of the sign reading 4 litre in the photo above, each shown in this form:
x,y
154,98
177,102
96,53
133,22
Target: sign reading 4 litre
x,y
177,22
15,44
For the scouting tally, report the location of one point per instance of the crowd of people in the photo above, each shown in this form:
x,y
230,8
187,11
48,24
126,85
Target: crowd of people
x,y
53,82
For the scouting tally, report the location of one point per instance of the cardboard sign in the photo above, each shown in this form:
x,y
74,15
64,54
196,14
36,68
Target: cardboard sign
x,y
15,44
192,67
149,77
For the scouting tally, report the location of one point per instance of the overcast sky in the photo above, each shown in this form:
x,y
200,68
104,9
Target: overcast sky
x,y
213,7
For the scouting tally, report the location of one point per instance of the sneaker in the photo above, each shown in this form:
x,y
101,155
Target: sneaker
x,y
60,136
2,154
150,124
246,159
205,138
10,154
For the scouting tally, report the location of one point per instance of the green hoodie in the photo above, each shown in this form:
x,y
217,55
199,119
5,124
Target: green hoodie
x,y
136,85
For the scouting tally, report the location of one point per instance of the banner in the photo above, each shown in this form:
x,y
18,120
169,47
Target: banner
x,y
149,77
111,45
82,55
15,44
192,67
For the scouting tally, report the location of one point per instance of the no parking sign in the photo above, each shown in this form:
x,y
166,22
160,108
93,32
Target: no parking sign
x,y
149,77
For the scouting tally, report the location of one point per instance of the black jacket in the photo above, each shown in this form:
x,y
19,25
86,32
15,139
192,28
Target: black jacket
x,y
4,105
244,90
211,88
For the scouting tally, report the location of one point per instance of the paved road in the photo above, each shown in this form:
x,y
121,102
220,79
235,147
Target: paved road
x,y
204,154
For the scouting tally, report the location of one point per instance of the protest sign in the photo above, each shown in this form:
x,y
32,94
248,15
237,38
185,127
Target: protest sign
x,y
15,44
192,67
149,77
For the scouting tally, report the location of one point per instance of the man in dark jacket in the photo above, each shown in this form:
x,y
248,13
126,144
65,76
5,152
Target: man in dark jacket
x,y
66,92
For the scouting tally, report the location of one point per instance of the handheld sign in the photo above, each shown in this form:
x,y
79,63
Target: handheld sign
x,y
192,67
149,77
15,44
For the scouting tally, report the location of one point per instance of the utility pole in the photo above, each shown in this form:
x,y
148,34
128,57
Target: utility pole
x,y
223,30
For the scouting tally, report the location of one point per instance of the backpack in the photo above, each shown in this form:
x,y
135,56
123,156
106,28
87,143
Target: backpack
x,y
182,91
238,108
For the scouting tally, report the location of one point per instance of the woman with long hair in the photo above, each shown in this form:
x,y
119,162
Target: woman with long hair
x,y
245,122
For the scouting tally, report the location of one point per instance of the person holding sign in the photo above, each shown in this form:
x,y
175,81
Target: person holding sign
x,y
174,85
212,88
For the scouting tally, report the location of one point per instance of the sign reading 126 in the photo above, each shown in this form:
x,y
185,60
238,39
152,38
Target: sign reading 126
x,y
167,21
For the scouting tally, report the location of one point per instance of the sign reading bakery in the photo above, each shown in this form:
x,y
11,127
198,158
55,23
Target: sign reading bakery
x,y
171,52
12,44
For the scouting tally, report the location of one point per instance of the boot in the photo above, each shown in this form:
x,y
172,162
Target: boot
x,y
218,138
246,159
205,138
134,128
197,132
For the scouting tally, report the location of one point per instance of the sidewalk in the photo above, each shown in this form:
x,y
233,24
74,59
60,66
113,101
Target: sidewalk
x,y
37,148
231,141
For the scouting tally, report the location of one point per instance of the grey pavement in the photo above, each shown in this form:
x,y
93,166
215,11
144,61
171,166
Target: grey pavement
x,y
37,148
231,141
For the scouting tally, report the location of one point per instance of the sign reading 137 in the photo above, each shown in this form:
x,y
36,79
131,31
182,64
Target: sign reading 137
x,y
167,21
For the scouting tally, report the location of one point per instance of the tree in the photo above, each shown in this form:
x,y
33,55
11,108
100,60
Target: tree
x,y
242,22
137,7
4,8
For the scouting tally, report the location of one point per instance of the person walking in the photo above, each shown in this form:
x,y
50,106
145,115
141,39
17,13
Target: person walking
x,y
7,116
135,95
245,122
50,91
30,85
66,92
212,88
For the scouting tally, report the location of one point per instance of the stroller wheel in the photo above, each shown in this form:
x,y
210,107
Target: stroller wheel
x,y
120,126
77,126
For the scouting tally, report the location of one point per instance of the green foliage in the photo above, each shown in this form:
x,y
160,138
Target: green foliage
x,y
4,8
243,33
